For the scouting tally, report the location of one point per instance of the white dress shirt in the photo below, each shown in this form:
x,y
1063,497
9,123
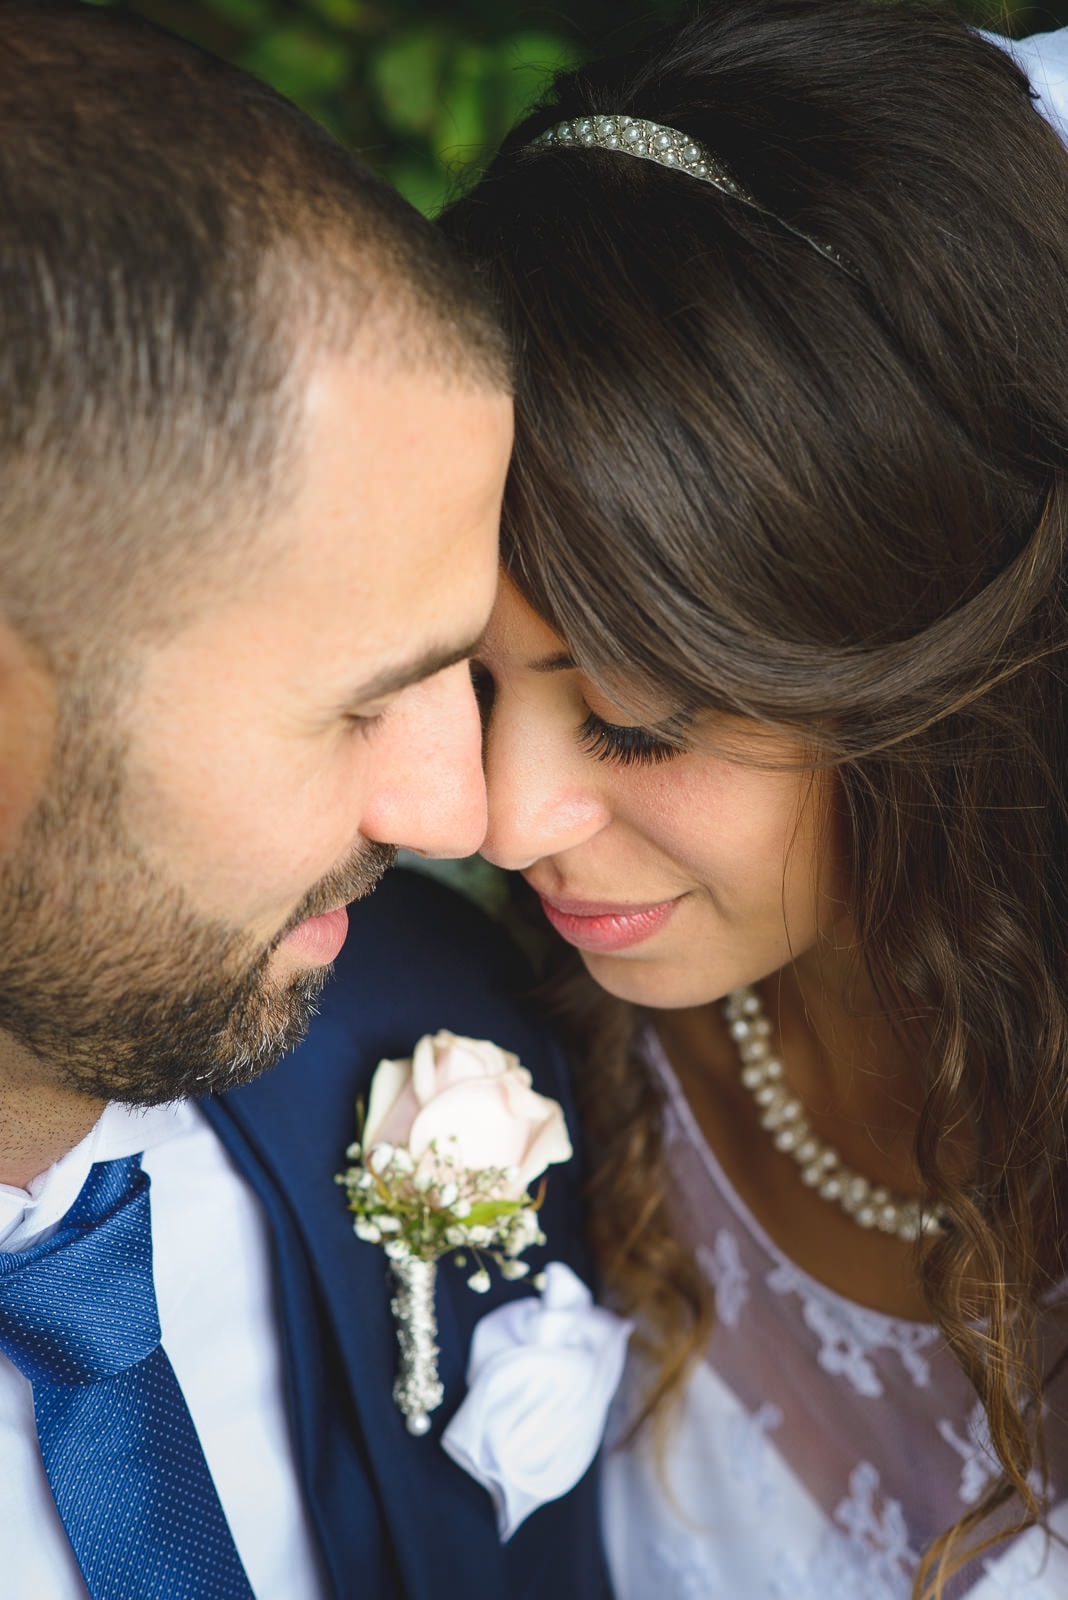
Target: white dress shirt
x,y
212,1265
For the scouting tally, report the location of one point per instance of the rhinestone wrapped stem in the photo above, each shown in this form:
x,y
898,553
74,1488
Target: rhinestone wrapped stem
x,y
822,1168
417,1389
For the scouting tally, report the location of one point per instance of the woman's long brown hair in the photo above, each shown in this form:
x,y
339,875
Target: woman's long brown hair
x,y
746,481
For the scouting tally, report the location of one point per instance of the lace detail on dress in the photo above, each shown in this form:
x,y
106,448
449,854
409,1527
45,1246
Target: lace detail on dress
x,y
721,1263
979,1462
881,1534
866,1556
979,1465
685,1565
682,1568
1018,1574
850,1334
752,1453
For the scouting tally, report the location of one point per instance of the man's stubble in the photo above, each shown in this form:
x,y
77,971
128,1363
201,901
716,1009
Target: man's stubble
x,y
108,975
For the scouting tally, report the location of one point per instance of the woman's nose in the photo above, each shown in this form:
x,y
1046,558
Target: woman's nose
x,y
541,797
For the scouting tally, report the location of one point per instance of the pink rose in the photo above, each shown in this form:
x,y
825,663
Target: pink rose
x,y
470,1101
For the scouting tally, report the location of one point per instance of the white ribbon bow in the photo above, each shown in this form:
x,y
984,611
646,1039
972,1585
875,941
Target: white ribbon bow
x,y
541,1377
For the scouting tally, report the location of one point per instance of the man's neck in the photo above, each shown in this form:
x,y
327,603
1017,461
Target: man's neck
x,y
39,1120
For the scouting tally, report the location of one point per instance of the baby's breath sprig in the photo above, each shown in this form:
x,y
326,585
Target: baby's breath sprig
x,y
424,1210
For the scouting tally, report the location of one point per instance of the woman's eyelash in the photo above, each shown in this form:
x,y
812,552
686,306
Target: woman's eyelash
x,y
484,687
627,746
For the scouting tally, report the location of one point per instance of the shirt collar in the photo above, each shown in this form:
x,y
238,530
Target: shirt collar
x,y
29,1215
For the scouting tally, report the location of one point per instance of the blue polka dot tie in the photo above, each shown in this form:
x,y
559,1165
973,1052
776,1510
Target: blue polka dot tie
x,y
78,1318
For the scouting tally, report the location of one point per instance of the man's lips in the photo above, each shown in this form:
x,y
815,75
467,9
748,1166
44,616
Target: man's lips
x,y
319,939
600,925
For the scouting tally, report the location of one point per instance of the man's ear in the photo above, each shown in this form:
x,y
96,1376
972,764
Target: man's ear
x,y
27,729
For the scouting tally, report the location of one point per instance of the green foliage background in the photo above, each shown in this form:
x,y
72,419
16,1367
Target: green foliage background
x,y
424,91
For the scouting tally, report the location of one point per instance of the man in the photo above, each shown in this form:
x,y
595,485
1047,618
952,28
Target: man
x,y
254,433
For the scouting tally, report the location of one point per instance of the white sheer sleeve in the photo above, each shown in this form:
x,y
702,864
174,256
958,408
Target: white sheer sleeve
x,y
1044,58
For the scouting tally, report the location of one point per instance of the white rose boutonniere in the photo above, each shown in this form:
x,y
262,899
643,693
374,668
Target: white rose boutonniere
x,y
450,1143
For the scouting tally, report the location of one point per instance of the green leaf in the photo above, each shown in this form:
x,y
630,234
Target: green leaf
x,y
467,126
342,12
420,181
249,13
299,62
407,74
527,63
484,1212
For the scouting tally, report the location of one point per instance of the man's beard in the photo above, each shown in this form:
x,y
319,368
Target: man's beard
x,y
114,982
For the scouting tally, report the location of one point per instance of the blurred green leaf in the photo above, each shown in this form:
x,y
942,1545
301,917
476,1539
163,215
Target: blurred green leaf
x,y
526,65
250,13
342,12
466,125
407,73
484,1211
300,62
325,111
422,182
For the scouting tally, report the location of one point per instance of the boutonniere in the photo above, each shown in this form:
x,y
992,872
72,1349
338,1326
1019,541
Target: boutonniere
x,y
446,1152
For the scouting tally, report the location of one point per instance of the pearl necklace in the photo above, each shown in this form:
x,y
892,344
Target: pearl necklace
x,y
869,1205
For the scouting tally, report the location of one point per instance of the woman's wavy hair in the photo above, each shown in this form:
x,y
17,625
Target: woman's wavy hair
x,y
745,480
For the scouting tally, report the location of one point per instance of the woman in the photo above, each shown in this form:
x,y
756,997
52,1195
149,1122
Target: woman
x,y
777,730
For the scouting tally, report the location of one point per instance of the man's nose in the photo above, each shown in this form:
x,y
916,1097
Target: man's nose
x,y
430,794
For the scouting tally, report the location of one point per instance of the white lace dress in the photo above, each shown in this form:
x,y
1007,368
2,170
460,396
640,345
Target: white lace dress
x,y
819,1447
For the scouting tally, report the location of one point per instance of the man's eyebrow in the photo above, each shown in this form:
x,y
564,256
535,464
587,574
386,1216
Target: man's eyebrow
x,y
556,663
392,679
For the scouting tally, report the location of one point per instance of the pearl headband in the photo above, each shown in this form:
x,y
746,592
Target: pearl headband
x,y
652,141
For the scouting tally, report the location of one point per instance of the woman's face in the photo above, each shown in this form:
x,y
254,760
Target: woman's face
x,y
677,878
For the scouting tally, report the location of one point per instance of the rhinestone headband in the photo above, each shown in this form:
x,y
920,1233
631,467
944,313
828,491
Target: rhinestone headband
x,y
652,141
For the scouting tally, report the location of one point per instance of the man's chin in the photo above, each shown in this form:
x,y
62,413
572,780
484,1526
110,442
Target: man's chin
x,y
253,1044
175,1057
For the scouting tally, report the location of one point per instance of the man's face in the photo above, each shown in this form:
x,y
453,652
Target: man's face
x,y
167,909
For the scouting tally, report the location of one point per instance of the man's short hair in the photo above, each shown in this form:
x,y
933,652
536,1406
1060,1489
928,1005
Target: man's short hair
x,y
175,238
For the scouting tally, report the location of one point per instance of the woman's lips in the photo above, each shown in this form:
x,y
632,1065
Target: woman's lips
x,y
596,925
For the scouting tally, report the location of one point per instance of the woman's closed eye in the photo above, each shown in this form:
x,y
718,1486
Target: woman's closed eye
x,y
627,744
624,744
